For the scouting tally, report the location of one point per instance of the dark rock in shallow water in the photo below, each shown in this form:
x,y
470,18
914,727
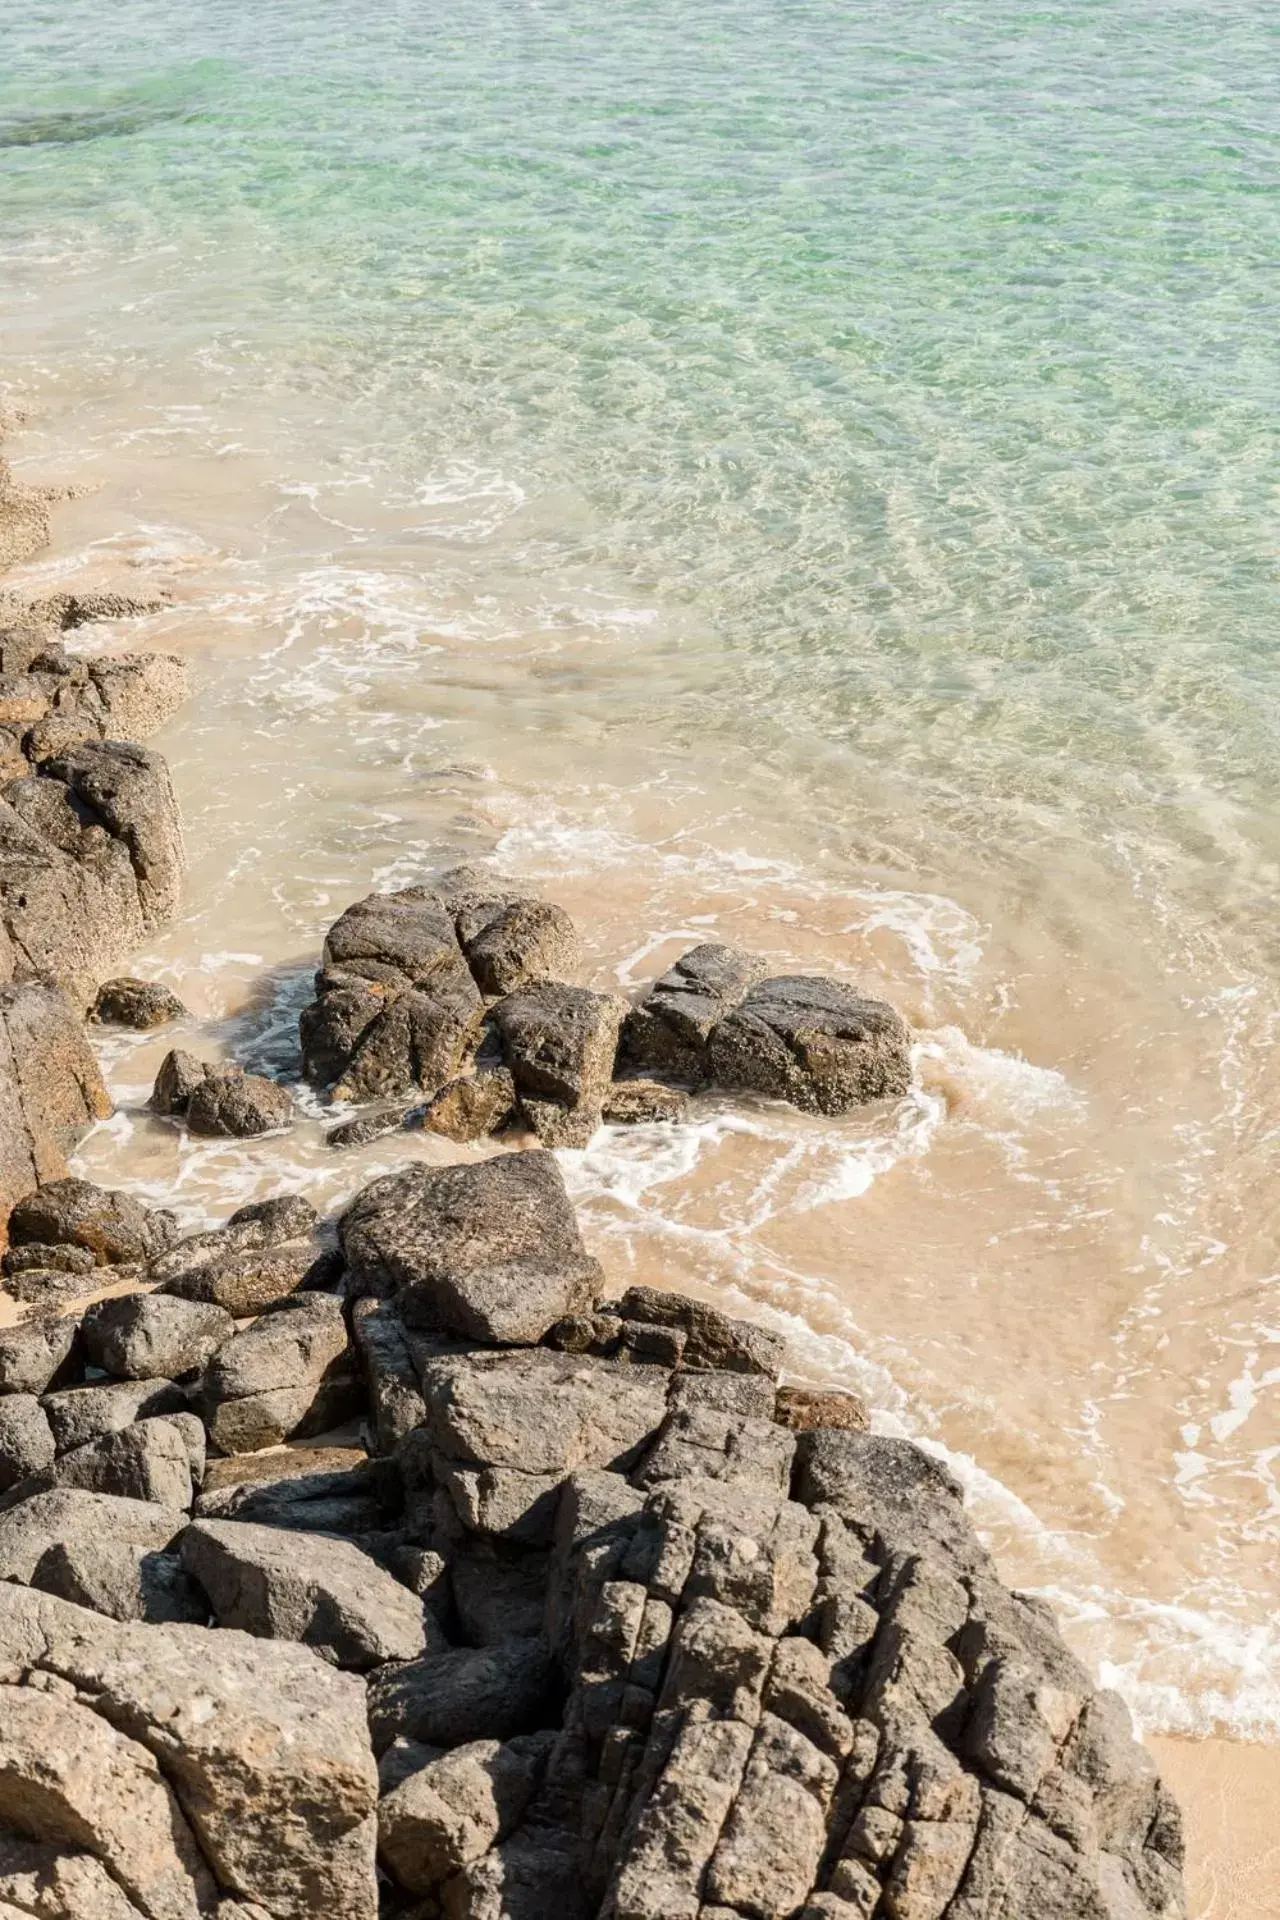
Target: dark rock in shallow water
x,y
366,1128
241,1105
813,1042
560,1044
639,1103
490,1252
179,1076
140,1004
711,1338
669,1030
261,1256
474,1106
523,942
396,1005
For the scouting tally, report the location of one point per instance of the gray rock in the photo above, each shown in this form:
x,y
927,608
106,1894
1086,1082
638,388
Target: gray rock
x,y
326,1499
37,1355
69,1774
488,1251
269,1223
139,1004
669,1030
77,1260
451,1810
541,1412
523,942
267,1419
366,1128
323,1592
69,1883
179,1076
887,1491
43,1288
503,1501
474,1106
712,1340
67,1515
499,1593
463,1693
50,1088
129,696
643,1103
26,1439
813,1042
559,1128
154,1336
265,1745
292,1346
81,1414
149,1461
560,1043
394,1393
121,1579
241,1105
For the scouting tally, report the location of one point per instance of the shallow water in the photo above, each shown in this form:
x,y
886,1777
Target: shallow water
x,y
794,473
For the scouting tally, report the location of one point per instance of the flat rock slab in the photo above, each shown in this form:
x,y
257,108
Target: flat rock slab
x,y
489,1252
66,1514
324,1592
263,1745
541,1412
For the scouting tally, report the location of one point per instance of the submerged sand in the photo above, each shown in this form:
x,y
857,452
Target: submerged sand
x,y
1230,1795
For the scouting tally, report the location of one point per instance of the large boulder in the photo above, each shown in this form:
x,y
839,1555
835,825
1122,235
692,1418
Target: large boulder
x,y
535,1412
67,1774
120,1578
259,1258
489,1251
37,1355
262,1745
65,1514
26,1439
450,1811
517,944
154,1336
51,1091
396,1005
149,1461
80,1414
560,1044
324,1592
715,1020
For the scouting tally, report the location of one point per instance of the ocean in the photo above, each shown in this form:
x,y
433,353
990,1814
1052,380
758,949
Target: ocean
x,y
802,474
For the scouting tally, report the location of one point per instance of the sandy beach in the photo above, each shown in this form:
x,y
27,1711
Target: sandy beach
x,y
1230,1795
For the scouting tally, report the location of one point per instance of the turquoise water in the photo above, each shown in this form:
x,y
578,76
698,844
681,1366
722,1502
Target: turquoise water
x,y
831,451
923,358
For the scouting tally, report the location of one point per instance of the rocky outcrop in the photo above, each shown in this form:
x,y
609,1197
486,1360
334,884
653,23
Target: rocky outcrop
x,y
91,861
50,1088
633,1629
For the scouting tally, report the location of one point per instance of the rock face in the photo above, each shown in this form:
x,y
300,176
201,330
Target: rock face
x,y
50,1088
91,861
560,1044
113,1228
634,1631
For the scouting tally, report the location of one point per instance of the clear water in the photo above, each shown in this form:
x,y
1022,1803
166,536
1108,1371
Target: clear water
x,y
802,468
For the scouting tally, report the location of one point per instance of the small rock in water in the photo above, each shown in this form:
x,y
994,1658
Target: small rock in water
x,y
179,1076
474,1106
365,1128
239,1104
140,1004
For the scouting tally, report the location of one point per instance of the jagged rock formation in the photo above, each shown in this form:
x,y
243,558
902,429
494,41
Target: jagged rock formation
x,y
451,991
611,1625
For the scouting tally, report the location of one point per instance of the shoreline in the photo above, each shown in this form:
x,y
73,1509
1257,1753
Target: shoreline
x,y
1205,1778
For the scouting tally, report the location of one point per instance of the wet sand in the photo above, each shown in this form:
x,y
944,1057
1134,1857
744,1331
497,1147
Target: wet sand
x,y
1230,1795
